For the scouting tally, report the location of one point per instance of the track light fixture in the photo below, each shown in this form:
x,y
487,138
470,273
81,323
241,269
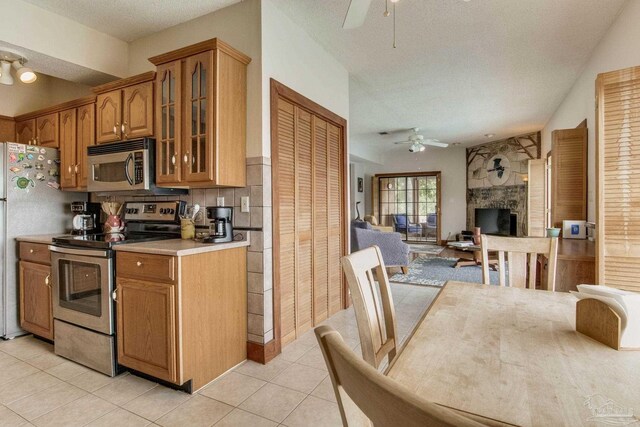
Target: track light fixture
x,y
24,74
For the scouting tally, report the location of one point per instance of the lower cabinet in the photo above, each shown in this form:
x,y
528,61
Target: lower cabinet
x,y
147,327
182,319
36,315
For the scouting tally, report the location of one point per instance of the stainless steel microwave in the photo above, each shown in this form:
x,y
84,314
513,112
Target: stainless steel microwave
x,y
125,167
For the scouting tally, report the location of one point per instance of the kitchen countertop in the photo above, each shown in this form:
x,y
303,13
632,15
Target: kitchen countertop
x,y
40,238
178,247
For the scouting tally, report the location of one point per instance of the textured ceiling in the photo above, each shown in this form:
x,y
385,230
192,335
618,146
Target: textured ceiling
x,y
129,20
460,69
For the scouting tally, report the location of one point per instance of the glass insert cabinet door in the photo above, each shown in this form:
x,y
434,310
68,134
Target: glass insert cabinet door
x,y
168,119
410,204
198,151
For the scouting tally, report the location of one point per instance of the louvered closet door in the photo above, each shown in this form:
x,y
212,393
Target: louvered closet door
x,y
569,175
320,223
285,184
618,179
308,181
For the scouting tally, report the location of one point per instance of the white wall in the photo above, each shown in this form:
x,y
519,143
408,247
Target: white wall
x,y
238,25
293,58
46,91
620,48
30,27
451,162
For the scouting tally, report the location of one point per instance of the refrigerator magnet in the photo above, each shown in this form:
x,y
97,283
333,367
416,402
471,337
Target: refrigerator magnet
x,y
29,156
39,166
42,151
32,149
13,158
41,157
15,169
40,176
23,182
13,147
20,157
49,161
27,165
53,184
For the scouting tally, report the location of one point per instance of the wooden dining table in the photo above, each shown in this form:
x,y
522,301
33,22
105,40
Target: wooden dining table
x,y
514,355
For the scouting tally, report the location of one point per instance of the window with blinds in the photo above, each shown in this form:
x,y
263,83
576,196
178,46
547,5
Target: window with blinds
x,y
618,178
308,181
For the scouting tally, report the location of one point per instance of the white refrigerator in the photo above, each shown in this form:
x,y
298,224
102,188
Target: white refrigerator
x,y
30,203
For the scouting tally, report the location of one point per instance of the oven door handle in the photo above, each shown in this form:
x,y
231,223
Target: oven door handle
x,y
83,252
127,163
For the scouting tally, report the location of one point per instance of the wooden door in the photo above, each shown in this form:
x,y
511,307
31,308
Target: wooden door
x,y
137,111
197,147
569,175
68,163
26,131
618,179
147,331
536,210
309,229
168,122
36,311
108,116
320,221
47,131
86,136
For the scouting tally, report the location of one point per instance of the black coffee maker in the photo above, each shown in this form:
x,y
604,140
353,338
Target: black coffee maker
x,y
86,218
221,228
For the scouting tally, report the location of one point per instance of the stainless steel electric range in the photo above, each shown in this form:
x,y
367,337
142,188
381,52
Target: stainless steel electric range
x,y
83,273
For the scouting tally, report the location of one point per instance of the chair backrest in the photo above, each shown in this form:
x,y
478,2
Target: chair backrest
x,y
381,399
400,219
432,220
372,303
518,249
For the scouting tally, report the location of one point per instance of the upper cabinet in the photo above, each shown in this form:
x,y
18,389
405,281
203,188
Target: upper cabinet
x,y
124,109
201,116
77,132
41,130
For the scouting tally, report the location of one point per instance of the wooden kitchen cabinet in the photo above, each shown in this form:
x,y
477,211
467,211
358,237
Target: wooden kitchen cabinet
x,y
77,132
575,265
41,130
201,123
47,131
36,310
25,131
147,328
124,109
182,319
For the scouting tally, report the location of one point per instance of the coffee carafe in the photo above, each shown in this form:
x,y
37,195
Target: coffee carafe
x,y
221,228
86,219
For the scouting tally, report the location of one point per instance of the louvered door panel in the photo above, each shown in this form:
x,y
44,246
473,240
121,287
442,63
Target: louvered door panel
x,y
569,175
536,198
320,223
304,222
336,234
618,179
284,181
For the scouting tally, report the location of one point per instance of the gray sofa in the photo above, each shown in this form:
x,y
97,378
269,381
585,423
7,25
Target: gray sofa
x,y
395,252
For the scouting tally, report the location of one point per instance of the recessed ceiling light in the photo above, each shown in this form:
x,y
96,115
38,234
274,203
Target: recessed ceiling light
x,y
489,135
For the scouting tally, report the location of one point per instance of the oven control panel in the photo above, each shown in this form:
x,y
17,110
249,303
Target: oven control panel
x,y
153,211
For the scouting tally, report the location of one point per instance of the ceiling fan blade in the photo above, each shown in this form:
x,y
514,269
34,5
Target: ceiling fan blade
x,y
434,143
404,142
356,14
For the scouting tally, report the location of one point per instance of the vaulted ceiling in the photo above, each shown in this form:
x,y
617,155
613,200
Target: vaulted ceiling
x,y
461,69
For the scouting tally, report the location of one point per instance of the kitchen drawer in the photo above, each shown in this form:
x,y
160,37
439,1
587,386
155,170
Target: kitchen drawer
x,y
146,266
35,252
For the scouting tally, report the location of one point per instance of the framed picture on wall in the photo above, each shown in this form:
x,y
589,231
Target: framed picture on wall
x,y
360,185
574,229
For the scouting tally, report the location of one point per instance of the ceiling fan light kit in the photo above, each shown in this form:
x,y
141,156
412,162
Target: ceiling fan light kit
x,y
419,143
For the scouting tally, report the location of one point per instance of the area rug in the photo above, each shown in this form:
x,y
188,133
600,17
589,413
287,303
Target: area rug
x,y
425,249
436,271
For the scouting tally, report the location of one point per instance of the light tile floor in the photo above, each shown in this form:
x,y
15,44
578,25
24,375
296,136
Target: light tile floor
x,y
39,388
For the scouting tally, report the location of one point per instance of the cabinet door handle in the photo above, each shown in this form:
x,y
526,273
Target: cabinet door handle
x,y
114,295
173,159
185,159
139,264
30,251
115,128
76,168
69,168
46,280
122,126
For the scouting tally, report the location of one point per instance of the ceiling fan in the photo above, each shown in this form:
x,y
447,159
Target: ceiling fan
x,y
419,142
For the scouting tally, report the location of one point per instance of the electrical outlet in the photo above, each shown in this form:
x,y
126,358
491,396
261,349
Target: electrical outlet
x,y
220,201
244,204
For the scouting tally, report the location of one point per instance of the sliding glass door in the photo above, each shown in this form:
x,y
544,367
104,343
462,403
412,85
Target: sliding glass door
x,y
411,205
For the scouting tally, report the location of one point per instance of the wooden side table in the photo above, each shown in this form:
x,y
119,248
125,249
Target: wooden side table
x,y
477,257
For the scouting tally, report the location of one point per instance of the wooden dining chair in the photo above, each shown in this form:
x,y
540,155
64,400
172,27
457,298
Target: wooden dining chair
x,y
519,250
373,304
382,400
